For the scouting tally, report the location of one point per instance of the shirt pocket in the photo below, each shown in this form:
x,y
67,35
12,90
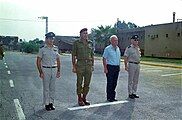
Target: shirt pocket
x,y
132,53
45,55
80,51
54,55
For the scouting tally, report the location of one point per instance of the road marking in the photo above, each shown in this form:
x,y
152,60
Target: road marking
x,y
9,72
152,70
11,83
6,66
19,110
5,63
97,105
171,74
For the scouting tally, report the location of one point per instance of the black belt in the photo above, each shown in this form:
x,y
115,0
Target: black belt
x,y
49,67
135,62
112,65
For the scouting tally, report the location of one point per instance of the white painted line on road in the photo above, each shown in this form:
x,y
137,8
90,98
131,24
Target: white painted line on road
x,y
5,63
6,66
9,72
171,74
19,110
11,83
97,105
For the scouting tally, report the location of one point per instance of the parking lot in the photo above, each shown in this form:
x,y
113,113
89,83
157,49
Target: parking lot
x,y
159,89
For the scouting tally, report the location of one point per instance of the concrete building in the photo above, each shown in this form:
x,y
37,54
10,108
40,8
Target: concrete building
x,y
65,43
163,40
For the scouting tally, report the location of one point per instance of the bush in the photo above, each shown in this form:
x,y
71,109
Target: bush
x,y
30,47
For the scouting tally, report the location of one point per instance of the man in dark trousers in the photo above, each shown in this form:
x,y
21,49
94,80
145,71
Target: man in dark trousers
x,y
111,63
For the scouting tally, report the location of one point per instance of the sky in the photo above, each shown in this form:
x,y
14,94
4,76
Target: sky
x,y
67,17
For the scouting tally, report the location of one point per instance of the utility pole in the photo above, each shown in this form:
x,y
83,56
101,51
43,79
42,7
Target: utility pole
x,y
46,18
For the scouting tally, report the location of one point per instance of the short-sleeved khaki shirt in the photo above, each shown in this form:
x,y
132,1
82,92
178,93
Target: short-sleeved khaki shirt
x,y
49,56
132,53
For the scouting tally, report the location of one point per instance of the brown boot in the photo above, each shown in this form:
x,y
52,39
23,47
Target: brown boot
x,y
84,100
80,101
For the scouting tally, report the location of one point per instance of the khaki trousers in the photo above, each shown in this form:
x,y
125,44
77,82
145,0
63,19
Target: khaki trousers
x,y
133,75
49,85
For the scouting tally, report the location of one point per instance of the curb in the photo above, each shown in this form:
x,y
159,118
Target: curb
x,y
150,63
158,64
162,65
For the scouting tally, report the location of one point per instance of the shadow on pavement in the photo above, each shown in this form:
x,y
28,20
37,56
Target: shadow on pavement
x,y
125,112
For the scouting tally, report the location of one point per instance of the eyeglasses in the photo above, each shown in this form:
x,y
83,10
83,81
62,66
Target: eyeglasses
x,y
135,39
51,38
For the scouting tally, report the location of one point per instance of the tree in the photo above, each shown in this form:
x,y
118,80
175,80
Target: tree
x,y
32,46
101,35
124,25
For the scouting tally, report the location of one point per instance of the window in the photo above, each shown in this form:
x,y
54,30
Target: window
x,y
152,36
157,36
166,35
178,34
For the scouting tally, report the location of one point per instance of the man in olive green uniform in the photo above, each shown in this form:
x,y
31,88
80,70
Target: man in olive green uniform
x,y
132,65
83,61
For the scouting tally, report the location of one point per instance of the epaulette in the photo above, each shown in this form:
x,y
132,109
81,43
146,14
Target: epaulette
x,y
55,46
89,41
76,41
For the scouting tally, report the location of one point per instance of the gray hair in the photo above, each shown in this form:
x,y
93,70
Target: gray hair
x,y
113,36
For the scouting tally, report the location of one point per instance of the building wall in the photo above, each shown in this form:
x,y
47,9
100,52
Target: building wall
x,y
65,43
164,40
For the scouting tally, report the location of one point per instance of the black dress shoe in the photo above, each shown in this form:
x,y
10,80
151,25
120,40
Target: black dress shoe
x,y
110,100
47,107
51,106
136,96
115,100
86,102
131,96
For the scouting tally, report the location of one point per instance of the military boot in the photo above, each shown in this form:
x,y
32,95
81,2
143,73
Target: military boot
x,y
84,100
80,101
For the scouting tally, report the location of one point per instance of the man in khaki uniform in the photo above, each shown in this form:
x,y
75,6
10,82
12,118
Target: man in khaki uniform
x,y
48,64
132,56
83,61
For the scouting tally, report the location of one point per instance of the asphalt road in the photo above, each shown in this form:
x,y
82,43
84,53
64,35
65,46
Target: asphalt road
x,y
160,91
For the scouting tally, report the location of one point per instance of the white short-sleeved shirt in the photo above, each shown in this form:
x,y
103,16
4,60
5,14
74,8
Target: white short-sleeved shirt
x,y
48,56
112,55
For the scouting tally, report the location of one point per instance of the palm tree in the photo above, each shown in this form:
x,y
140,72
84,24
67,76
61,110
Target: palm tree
x,y
101,35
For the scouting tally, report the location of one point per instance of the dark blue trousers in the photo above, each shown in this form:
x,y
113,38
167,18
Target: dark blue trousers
x,y
112,77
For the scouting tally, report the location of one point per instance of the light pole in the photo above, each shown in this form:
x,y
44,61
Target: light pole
x,y
46,18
